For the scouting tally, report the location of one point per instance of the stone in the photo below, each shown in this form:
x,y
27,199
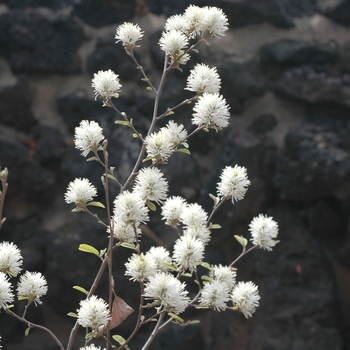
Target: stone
x,y
290,53
101,13
52,4
17,115
314,163
312,86
337,10
276,12
35,42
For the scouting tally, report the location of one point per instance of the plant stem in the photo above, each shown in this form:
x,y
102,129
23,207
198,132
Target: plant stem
x,y
155,331
34,325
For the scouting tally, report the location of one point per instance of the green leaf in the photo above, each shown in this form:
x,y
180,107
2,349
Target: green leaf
x,y
151,206
207,278
76,210
122,122
21,297
102,252
135,136
206,129
168,112
88,249
119,339
149,88
26,332
80,289
90,335
72,314
128,245
194,322
187,274
214,226
206,265
91,159
241,240
110,176
183,150
176,317
142,318
170,266
96,204
147,159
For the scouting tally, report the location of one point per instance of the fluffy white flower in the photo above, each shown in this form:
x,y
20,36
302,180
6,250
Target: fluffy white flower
x,y
193,15
200,232
151,185
6,295
188,252
128,33
177,133
224,274
80,191
140,267
160,256
172,209
106,84
90,347
194,215
263,230
10,259
129,208
211,111
245,296
173,42
168,291
202,79
93,313
213,21
125,232
159,146
215,295
234,183
32,286
176,22
88,136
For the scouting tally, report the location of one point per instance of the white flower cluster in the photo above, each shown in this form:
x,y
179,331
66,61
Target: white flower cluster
x,y
179,29
91,347
106,84
128,33
31,285
80,192
162,144
93,313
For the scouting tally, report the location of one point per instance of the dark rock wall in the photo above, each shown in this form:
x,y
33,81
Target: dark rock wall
x,y
285,69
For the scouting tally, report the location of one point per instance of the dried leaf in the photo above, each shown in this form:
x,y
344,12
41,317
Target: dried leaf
x,y
120,311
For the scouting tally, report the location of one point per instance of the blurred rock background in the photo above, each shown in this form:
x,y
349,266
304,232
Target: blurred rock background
x,y
285,70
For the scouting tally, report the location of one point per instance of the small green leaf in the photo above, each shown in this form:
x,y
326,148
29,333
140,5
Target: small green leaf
x,y
187,274
21,297
88,249
206,265
241,240
119,339
170,266
168,112
176,317
207,278
151,206
206,129
122,122
90,335
102,252
26,332
183,150
147,159
91,159
135,136
142,318
110,176
194,322
77,209
214,226
115,95
96,204
128,245
80,289
72,314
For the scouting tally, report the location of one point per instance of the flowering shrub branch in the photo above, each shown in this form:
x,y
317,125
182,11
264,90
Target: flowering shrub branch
x,y
158,271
